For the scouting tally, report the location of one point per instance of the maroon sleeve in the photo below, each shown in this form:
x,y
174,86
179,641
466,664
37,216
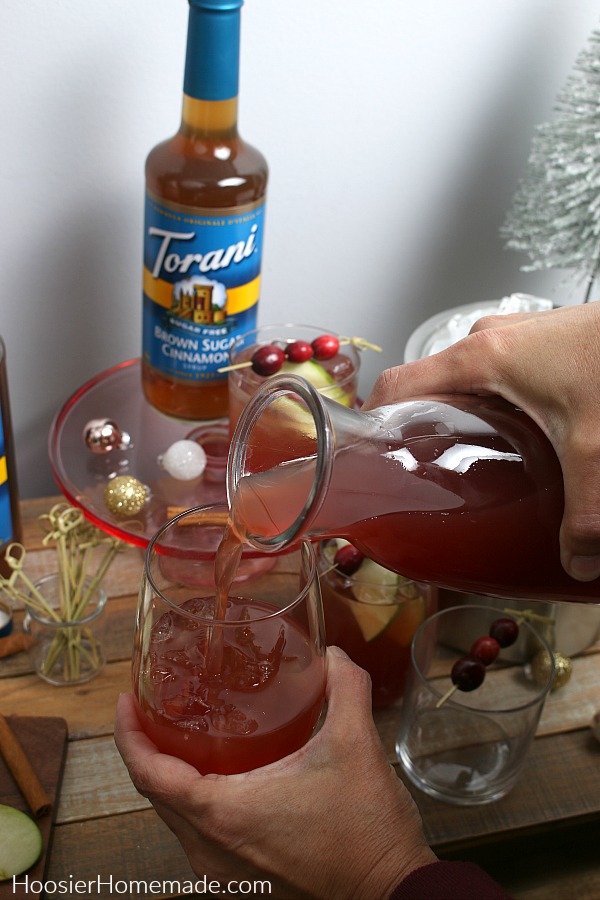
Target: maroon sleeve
x,y
449,881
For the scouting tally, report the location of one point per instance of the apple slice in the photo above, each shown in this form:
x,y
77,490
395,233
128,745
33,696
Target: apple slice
x,y
292,411
381,596
373,620
20,842
375,584
319,377
412,612
375,589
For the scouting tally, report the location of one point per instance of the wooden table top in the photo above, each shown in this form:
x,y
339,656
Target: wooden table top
x,y
541,842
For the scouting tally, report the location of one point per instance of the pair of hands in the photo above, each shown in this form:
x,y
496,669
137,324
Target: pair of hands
x,y
332,820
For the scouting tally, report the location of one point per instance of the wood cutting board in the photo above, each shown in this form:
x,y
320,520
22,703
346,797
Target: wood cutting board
x,y
44,741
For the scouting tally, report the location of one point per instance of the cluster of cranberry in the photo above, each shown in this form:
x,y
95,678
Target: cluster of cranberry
x,y
268,359
468,672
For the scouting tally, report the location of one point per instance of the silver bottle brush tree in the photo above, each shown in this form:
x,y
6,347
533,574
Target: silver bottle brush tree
x,y
555,214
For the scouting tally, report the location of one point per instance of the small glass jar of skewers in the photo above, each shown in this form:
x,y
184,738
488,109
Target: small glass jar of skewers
x,y
64,609
66,630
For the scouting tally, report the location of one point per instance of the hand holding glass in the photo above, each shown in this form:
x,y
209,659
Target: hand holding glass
x,y
227,694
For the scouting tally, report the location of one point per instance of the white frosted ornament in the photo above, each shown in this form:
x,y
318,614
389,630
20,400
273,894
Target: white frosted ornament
x,y
184,460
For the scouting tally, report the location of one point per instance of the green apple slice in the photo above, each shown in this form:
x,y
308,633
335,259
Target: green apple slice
x,y
375,584
20,842
292,411
379,593
375,589
320,378
374,620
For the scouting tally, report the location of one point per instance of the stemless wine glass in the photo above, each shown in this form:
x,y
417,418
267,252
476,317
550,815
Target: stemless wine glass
x,y
373,614
336,377
234,690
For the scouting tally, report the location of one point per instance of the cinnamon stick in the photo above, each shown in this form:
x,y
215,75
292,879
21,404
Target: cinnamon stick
x,y
201,518
15,643
23,772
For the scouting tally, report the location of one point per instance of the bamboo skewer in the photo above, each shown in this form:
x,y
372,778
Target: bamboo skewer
x,y
357,342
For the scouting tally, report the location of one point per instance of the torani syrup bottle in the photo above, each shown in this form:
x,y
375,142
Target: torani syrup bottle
x,y
204,226
10,515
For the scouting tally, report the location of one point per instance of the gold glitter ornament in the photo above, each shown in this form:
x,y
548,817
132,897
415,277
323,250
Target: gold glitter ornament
x,y
125,495
540,669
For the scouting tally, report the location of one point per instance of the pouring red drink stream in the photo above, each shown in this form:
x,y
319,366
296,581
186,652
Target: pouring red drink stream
x,y
463,492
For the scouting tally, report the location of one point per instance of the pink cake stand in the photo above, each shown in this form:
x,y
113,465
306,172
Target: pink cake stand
x,y
82,475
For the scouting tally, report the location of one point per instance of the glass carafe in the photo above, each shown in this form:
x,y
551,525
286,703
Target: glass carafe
x,y
461,491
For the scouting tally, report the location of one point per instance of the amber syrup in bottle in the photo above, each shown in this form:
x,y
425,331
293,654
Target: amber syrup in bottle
x,y
204,226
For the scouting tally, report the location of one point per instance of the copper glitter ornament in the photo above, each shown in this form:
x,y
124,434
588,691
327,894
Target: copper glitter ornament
x,y
125,495
102,436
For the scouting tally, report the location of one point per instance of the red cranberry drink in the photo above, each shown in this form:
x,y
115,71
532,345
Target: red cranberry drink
x,y
372,613
231,676
260,704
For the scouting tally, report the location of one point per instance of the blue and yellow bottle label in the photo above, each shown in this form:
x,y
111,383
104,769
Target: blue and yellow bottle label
x,y
201,285
6,519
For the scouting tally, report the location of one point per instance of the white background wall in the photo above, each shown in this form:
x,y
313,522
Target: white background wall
x,y
396,132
